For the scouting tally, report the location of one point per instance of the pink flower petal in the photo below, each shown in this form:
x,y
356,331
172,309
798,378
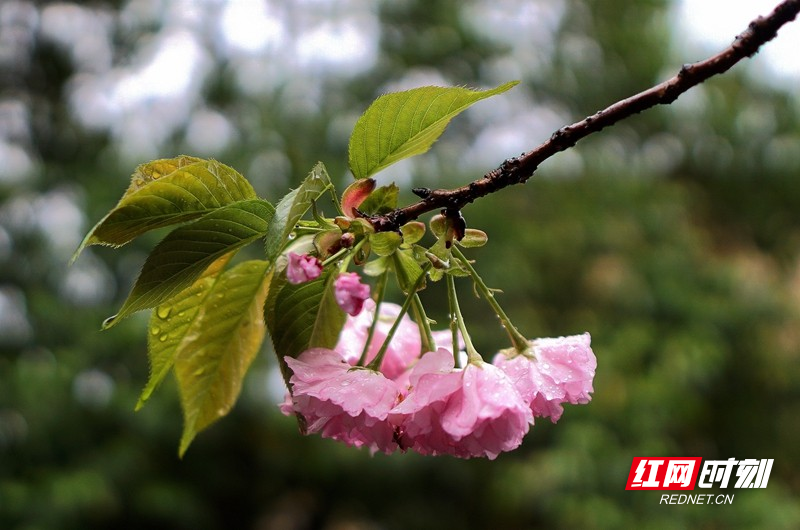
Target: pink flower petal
x,y
302,268
474,412
350,293
341,402
403,349
561,371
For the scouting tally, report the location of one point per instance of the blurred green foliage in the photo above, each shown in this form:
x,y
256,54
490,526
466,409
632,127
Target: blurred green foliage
x,y
672,238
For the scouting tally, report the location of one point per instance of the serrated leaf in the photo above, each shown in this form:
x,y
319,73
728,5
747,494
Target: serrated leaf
x,y
181,257
292,207
381,201
385,243
404,124
221,343
170,323
167,192
155,169
304,316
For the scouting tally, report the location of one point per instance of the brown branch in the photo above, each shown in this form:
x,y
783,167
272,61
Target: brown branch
x,y
519,169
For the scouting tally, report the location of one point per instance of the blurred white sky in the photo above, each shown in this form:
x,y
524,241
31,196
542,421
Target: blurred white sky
x,y
714,23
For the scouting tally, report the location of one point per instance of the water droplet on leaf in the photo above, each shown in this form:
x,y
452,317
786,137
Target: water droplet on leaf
x,y
163,312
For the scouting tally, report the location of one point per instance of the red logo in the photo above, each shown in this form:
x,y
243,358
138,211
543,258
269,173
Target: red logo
x,y
672,473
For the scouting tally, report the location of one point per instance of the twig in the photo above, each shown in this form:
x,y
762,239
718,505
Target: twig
x,y
519,169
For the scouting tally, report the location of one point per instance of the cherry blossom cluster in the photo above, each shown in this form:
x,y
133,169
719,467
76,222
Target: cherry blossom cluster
x,y
426,403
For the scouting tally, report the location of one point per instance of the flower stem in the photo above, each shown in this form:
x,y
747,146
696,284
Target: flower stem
x,y
519,342
347,253
333,257
425,334
380,289
451,289
473,357
376,362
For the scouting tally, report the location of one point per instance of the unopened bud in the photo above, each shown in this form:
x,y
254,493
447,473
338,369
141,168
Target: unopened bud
x,y
347,240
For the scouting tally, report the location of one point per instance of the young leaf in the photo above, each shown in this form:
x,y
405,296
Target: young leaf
x,y
292,207
166,192
355,194
473,238
407,269
304,316
181,257
412,232
381,201
219,346
170,323
385,243
377,266
404,124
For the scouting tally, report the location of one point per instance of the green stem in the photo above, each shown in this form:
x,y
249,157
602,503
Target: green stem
x,y
333,257
347,253
425,333
519,342
451,291
380,289
376,362
473,357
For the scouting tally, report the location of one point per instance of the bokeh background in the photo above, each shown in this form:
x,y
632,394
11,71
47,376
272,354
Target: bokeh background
x,y
673,238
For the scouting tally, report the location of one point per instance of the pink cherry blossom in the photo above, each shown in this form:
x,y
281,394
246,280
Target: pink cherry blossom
x,y
350,293
404,348
474,412
341,402
302,268
560,370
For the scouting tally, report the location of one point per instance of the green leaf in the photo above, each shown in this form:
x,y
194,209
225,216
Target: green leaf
x,y
304,316
473,238
181,257
381,201
219,346
167,192
170,323
385,243
325,241
292,207
407,269
412,232
404,124
376,267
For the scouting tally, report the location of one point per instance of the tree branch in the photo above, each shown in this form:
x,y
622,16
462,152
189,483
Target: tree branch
x,y
519,169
